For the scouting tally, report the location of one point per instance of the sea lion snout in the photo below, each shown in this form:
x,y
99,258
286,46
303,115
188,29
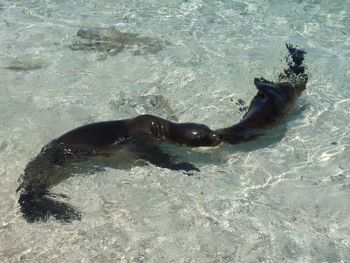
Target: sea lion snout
x,y
199,135
216,139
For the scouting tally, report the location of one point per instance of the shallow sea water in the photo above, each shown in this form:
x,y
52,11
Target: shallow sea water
x,y
282,198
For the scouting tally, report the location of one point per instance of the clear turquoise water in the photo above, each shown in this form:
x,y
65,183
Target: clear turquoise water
x,y
282,198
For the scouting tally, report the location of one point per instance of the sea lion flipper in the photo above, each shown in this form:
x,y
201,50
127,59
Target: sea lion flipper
x,y
41,208
148,149
161,159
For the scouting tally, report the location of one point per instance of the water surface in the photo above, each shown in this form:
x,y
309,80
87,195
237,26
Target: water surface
x,y
282,198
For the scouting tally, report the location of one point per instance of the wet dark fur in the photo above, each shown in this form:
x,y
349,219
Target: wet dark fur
x,y
272,103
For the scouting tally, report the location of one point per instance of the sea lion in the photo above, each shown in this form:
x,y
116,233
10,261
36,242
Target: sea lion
x,y
272,103
106,133
56,160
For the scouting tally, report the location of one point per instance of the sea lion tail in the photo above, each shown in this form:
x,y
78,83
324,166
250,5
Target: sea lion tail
x,y
296,71
297,56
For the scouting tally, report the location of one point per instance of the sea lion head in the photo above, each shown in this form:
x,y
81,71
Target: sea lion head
x,y
189,134
193,134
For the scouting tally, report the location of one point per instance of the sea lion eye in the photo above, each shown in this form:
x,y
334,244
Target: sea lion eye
x,y
197,135
261,94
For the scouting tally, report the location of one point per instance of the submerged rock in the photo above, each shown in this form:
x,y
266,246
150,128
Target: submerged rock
x,y
142,104
112,41
23,64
